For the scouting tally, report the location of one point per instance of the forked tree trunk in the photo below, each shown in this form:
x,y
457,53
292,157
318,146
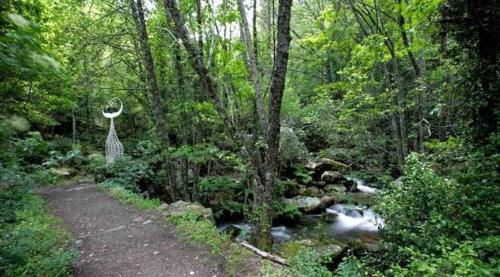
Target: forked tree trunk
x,y
263,227
264,190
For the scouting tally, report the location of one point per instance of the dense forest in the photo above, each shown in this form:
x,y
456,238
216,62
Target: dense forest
x,y
345,137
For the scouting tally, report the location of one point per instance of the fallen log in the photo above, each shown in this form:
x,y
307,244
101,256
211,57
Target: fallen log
x,y
264,254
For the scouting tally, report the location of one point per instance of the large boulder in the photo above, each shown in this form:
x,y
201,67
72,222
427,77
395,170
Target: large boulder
x,y
336,178
309,204
332,177
180,208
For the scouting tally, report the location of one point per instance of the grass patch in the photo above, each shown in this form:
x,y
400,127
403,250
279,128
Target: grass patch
x,y
127,197
193,227
31,244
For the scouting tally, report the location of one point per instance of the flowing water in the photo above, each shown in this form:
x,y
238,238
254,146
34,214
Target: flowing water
x,y
341,222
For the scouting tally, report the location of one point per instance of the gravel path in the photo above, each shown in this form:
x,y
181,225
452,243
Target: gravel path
x,y
117,240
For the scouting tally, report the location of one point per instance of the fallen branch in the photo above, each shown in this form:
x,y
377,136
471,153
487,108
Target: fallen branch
x,y
264,254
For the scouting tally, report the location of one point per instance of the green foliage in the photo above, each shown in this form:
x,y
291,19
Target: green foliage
x,y
307,263
224,194
303,174
203,153
476,258
32,149
30,243
128,197
130,173
351,267
424,206
286,211
73,158
291,149
194,228
436,226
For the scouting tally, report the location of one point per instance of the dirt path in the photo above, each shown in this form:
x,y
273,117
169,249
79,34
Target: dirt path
x,y
116,240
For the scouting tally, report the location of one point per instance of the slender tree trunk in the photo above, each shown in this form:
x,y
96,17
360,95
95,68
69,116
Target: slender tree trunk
x,y
263,226
252,63
156,103
73,126
196,59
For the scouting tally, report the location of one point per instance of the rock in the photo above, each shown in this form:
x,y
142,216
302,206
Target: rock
x,y
163,207
399,181
233,230
335,188
310,165
324,249
304,203
63,171
308,204
319,184
332,177
350,185
293,188
181,207
329,251
312,191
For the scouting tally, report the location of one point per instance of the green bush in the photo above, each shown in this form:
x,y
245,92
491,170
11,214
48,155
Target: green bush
x,y
285,211
291,149
307,263
223,194
476,258
30,244
437,226
422,207
193,227
72,158
129,173
32,149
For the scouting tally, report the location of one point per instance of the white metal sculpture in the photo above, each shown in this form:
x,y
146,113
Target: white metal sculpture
x,y
114,148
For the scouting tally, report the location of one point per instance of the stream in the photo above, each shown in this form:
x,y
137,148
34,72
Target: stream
x,y
340,222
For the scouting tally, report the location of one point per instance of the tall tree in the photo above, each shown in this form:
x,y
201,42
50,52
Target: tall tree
x,y
156,103
266,172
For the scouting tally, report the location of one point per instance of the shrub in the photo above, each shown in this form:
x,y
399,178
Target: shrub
x,y
224,194
129,173
285,211
476,258
291,149
30,245
424,206
32,149
72,158
307,263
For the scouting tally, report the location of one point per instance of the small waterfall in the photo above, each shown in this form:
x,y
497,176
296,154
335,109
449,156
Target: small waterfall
x,y
361,184
354,218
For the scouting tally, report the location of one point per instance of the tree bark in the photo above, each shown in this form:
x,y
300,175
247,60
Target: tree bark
x,y
196,59
156,103
263,226
252,64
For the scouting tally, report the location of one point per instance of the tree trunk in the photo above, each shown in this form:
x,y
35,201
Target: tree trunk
x,y
73,126
252,64
196,59
263,226
156,103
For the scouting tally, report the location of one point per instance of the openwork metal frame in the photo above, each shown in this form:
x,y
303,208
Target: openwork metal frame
x,y
113,148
